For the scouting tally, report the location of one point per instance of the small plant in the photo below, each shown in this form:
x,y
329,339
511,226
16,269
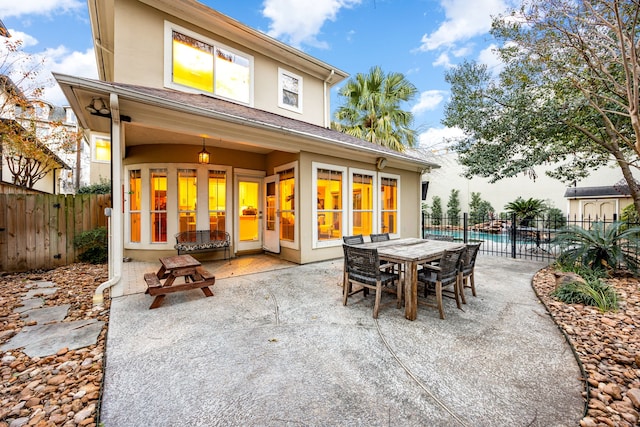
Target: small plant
x,y
594,293
526,210
93,245
104,187
603,247
436,211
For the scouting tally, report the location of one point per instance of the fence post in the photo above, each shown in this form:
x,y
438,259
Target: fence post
x,y
513,235
465,224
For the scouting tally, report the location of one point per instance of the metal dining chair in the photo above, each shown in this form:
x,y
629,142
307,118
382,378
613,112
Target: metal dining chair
x,y
362,268
468,267
356,239
444,278
381,237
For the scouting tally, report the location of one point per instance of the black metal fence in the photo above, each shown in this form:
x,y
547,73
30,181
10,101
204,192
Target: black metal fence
x,y
507,236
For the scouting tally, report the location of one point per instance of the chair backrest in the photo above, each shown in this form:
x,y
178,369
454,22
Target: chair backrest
x,y
361,261
442,237
469,259
379,237
450,263
353,240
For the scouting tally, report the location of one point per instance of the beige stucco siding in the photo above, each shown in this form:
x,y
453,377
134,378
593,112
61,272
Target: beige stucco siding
x,y
140,59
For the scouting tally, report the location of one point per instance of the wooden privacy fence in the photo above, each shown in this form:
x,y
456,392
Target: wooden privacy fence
x,y
37,230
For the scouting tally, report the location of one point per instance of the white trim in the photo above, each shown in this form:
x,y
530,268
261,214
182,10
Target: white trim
x,y
103,136
296,190
316,244
172,202
382,175
281,104
375,210
169,27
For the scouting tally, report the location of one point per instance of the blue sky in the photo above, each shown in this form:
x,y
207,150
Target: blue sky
x,y
419,38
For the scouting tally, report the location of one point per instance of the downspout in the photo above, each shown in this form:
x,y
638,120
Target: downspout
x,y
327,120
116,215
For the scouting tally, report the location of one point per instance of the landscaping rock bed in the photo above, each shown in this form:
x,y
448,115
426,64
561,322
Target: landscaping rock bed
x,y
64,389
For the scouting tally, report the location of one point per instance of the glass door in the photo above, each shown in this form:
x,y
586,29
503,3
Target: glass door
x,y
249,211
272,213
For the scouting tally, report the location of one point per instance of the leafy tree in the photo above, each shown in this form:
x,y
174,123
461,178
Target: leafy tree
x,y
629,214
453,207
28,140
526,210
436,211
555,218
604,247
568,93
479,210
371,109
103,187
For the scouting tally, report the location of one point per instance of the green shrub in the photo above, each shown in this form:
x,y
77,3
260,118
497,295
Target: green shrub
x,y
603,247
104,187
594,293
93,246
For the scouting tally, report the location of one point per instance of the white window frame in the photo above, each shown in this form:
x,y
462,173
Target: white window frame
x,y
379,209
94,138
172,202
316,244
169,27
281,73
376,191
296,241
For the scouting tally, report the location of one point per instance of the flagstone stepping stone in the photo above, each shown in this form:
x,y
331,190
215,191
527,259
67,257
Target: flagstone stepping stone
x,y
44,315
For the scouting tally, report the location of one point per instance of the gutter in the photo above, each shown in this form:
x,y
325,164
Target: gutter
x,y
114,215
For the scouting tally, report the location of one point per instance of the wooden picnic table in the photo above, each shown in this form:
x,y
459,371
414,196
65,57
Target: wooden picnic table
x,y
173,267
411,252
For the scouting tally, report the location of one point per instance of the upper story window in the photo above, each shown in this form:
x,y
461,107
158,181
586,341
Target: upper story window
x,y
289,91
206,66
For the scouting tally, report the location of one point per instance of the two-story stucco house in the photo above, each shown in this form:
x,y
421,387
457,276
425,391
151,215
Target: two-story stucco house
x,y
177,79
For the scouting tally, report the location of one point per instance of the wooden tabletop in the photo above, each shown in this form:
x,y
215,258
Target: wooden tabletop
x,y
179,261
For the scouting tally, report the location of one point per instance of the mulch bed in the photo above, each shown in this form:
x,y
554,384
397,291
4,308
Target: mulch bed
x,y
64,389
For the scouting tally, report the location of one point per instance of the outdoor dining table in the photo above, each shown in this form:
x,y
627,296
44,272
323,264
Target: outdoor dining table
x,y
411,252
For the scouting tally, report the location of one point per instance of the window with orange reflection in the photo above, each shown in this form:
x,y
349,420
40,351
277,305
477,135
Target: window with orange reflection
x,y
388,205
329,209
135,191
158,193
362,199
217,200
287,204
187,197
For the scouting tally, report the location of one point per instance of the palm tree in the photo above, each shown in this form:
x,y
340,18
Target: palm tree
x,y
526,210
371,109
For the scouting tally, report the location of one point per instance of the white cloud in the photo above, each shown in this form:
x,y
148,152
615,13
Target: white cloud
x,y
38,7
489,56
442,60
60,59
464,19
299,22
429,100
439,138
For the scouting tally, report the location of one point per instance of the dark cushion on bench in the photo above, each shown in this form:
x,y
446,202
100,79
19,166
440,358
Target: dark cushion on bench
x,y
202,241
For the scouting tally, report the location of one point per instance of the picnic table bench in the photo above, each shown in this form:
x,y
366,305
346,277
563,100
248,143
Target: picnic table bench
x,y
195,277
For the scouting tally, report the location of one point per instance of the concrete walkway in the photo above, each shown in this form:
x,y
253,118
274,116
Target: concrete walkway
x,y
278,348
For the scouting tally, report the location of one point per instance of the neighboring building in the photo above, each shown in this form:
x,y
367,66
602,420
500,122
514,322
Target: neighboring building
x,y
553,192
23,114
606,202
179,79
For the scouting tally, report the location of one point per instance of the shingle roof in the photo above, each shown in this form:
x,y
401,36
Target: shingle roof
x,y
232,109
605,191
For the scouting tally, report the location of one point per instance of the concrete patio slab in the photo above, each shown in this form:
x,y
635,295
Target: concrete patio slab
x,y
278,348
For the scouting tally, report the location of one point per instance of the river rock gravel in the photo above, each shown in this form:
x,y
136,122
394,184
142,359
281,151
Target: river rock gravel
x,y
63,389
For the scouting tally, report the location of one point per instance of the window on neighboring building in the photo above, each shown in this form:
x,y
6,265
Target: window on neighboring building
x,y
101,148
287,204
217,200
329,209
187,197
135,192
388,204
158,202
362,203
204,65
289,91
